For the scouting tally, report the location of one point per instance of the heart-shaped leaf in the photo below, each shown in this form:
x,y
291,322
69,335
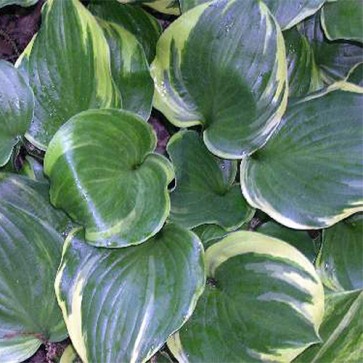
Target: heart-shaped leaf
x,y
205,189
264,302
121,305
133,18
340,259
309,175
16,109
342,19
105,175
82,80
30,252
299,239
130,69
207,73
163,6
290,12
341,331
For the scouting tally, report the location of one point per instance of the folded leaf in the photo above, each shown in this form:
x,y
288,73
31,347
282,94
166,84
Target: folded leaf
x,y
68,66
30,252
223,66
16,109
309,175
264,302
205,190
121,305
105,175
340,259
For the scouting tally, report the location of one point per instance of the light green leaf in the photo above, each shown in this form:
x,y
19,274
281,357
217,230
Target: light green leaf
x,y
135,297
205,189
340,259
343,19
309,175
291,12
16,109
163,6
299,239
24,3
264,302
356,75
133,18
105,175
82,79
130,69
341,331
29,314
186,5
70,356
207,73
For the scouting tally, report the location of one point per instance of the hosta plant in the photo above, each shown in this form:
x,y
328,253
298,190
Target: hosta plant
x,y
241,240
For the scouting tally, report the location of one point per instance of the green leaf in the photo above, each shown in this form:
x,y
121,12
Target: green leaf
x,y
205,190
33,169
105,175
356,75
29,314
130,69
134,19
16,109
343,19
207,73
309,175
340,259
24,3
209,234
170,7
341,331
291,12
186,5
121,305
299,239
264,302
70,356
81,80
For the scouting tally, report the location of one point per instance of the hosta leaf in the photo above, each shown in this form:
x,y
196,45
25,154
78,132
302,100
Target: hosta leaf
x,y
210,234
356,75
163,6
70,356
341,331
16,109
207,73
290,12
205,190
23,3
264,302
134,19
334,59
310,173
299,239
343,19
130,69
33,169
105,175
121,305
30,252
81,80
340,259
186,5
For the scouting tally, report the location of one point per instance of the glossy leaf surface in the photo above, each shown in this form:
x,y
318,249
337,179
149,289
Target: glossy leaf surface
x,y
264,302
82,80
205,190
341,331
309,175
16,109
343,19
206,73
121,305
105,175
30,252
299,239
130,69
340,259
133,18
